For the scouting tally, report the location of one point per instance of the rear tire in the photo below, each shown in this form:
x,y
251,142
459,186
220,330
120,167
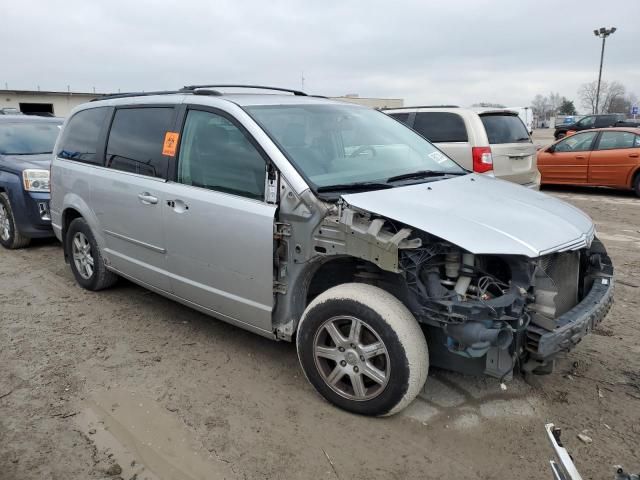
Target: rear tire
x,y
10,236
362,349
85,258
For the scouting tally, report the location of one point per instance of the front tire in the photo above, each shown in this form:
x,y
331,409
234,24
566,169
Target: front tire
x,y
636,184
362,349
10,236
85,258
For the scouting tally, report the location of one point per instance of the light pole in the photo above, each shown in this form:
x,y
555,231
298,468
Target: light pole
x,y
603,33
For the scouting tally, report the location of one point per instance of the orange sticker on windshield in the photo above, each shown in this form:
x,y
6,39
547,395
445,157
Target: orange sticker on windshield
x,y
170,144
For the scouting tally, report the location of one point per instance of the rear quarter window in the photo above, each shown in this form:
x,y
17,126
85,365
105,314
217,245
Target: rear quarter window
x,y
136,140
505,129
440,127
80,137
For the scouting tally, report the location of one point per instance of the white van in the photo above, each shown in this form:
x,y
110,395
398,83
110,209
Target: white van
x,y
490,141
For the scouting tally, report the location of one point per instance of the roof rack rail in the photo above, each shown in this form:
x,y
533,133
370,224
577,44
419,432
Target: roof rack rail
x,y
421,106
157,92
256,87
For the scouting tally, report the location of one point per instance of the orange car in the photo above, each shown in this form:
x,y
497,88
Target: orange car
x,y
607,157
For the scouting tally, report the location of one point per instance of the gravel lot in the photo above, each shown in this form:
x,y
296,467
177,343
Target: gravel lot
x,y
124,383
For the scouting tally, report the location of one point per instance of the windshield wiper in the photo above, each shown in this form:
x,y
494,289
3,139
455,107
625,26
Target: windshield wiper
x,y
523,139
353,186
422,174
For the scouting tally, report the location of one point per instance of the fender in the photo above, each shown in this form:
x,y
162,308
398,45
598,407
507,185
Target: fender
x,y
75,202
632,176
9,182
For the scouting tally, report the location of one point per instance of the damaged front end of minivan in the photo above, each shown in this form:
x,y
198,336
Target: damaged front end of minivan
x,y
503,310
481,313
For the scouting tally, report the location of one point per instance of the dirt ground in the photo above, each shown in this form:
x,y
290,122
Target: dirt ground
x,y
124,383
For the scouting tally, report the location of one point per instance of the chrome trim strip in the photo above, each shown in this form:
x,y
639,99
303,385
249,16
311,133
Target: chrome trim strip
x,y
583,241
136,242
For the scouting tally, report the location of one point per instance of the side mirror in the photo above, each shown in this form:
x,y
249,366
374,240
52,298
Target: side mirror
x,y
551,149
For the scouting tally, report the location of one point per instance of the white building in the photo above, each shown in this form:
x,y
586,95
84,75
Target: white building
x,y
33,101
372,102
61,103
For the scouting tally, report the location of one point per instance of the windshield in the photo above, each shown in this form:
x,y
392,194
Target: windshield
x,y
345,144
27,138
505,129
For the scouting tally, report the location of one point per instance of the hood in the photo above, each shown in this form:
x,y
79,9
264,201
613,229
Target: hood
x,y
483,215
18,163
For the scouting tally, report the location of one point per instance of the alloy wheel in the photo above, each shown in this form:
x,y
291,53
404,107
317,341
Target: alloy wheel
x,y
5,225
82,257
351,358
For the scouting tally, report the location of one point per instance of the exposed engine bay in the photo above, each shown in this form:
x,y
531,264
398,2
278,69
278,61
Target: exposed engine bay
x,y
497,305
481,313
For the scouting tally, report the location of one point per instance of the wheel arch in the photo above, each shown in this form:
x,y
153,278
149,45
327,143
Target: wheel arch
x,y
68,216
328,272
76,207
634,177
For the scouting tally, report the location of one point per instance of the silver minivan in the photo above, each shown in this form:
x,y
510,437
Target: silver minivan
x,y
489,141
328,224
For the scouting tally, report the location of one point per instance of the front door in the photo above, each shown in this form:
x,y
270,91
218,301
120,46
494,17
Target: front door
x,y
568,162
129,196
219,229
614,159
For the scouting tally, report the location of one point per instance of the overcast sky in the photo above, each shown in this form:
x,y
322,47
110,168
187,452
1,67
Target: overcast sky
x,y
448,51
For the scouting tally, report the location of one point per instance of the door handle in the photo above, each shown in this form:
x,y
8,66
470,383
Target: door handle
x,y
580,157
147,198
633,155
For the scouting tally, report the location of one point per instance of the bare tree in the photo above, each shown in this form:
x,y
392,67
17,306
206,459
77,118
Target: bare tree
x,y
555,100
545,107
611,96
587,94
539,105
623,104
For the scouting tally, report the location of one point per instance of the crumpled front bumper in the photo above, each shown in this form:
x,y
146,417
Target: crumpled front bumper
x,y
574,324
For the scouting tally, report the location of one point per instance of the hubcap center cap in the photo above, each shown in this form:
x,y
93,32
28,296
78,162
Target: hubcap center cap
x,y
351,358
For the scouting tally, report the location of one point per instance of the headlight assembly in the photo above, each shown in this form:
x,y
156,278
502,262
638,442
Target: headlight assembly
x,y
35,180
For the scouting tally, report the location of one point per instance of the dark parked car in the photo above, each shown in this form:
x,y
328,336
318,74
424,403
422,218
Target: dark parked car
x,y
26,144
595,121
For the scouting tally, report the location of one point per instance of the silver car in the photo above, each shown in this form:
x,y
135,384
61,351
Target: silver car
x,y
331,224
490,141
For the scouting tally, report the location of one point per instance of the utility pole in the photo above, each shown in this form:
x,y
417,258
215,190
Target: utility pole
x,y
302,81
603,33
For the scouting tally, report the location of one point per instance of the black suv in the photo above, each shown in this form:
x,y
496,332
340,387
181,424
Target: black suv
x,y
595,121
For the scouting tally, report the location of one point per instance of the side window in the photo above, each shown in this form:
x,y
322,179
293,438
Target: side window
x,y
136,140
215,154
440,126
612,140
605,121
80,137
580,142
401,117
587,122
